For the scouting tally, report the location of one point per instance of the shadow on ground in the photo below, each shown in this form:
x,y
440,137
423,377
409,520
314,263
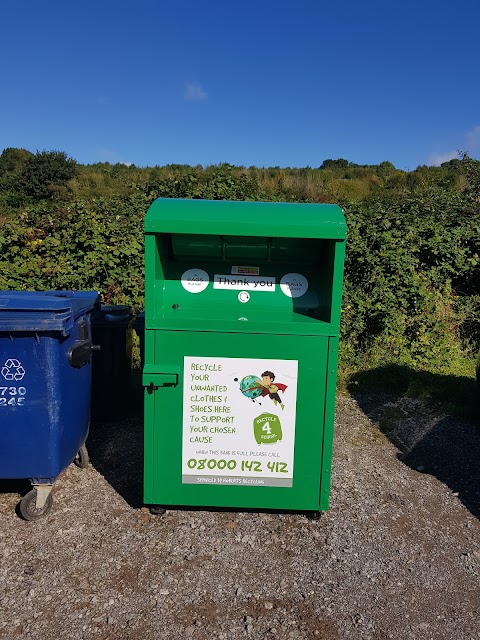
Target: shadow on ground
x,y
20,486
411,407
115,447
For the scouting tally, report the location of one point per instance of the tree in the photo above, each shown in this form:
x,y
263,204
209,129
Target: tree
x,y
13,161
471,170
47,172
341,163
385,170
12,164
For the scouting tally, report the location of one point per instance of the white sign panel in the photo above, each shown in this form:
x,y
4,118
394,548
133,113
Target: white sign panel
x,y
294,285
195,280
239,421
244,283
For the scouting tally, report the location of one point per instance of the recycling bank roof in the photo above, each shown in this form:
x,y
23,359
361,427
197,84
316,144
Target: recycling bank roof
x,y
225,217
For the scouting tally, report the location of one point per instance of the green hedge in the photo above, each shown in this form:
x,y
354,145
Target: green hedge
x,y
412,287
95,245
412,280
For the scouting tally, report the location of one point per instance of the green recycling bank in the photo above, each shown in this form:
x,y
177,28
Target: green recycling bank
x,y
242,316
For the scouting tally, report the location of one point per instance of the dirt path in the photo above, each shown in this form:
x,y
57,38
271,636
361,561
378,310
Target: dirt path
x,y
397,556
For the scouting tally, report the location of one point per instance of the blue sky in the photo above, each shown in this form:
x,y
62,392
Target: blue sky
x,y
265,83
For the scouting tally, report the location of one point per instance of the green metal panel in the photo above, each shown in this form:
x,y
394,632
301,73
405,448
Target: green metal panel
x,y
165,418
327,443
255,219
253,287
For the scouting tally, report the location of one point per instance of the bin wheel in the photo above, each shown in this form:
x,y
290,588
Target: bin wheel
x,y
28,509
314,515
157,510
82,459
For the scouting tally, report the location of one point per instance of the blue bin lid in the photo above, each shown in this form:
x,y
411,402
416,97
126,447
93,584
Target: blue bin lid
x,y
112,314
43,310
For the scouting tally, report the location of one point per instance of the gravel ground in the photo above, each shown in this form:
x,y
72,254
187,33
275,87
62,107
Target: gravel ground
x,y
397,556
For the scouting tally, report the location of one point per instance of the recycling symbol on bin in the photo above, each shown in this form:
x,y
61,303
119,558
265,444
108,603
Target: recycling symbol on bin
x,y
13,370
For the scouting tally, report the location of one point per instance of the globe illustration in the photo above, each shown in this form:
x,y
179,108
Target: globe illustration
x,y
251,387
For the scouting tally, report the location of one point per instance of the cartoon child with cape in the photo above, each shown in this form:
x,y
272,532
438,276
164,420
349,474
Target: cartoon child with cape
x,y
270,389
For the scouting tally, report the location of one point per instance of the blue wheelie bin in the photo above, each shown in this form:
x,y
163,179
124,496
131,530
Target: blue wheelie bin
x,y
45,388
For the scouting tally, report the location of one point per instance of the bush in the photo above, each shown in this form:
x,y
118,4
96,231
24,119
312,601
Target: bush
x,y
412,285
409,265
96,245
